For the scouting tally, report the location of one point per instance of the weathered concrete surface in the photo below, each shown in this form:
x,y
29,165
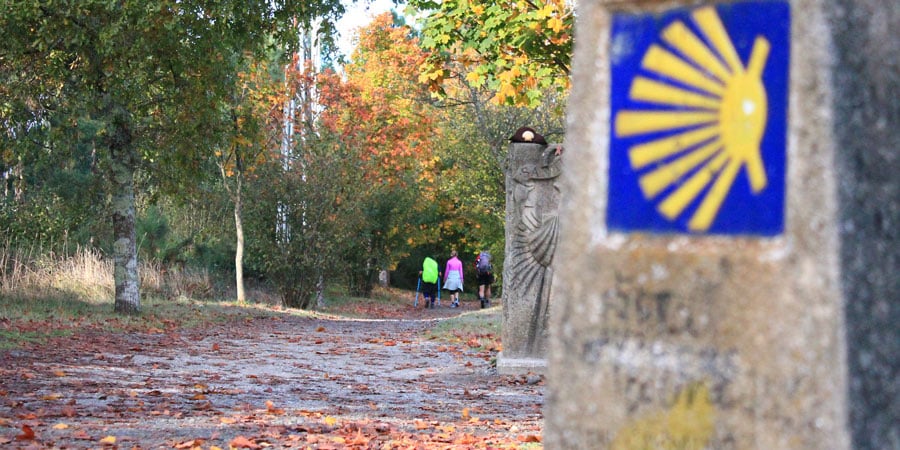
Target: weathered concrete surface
x,y
741,343
532,219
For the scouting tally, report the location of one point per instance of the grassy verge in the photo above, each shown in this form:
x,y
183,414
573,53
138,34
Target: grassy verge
x,y
46,297
33,320
478,329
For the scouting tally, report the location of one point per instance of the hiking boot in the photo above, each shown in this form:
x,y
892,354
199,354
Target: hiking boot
x,y
483,302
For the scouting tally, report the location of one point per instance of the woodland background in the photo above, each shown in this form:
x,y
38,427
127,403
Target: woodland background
x,y
225,150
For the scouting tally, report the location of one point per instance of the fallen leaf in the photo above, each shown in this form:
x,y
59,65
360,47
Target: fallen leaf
x,y
215,347
359,439
242,442
465,413
193,443
81,434
465,439
108,440
420,424
271,409
59,373
27,434
60,426
529,438
330,421
51,397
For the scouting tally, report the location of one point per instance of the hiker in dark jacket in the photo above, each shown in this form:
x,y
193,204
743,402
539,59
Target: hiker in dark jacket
x,y
484,273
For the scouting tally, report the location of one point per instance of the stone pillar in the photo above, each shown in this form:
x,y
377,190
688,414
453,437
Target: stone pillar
x,y
532,224
730,230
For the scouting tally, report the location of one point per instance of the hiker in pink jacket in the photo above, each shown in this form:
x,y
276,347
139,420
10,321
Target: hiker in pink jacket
x,y
453,278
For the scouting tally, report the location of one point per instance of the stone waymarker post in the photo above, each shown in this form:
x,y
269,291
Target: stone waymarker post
x,y
730,231
532,228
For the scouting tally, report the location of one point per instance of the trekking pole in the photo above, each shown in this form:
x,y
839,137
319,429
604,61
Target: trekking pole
x,y
439,291
418,284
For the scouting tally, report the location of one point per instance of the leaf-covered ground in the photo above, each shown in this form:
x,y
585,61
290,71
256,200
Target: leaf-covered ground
x,y
271,381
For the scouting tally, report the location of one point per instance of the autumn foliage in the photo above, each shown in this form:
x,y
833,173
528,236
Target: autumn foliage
x,y
517,48
378,108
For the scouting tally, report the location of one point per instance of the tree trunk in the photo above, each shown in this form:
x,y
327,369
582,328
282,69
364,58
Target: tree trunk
x,y
320,292
123,160
128,296
239,245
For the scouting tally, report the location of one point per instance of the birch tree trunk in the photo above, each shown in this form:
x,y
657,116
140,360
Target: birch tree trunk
x,y
239,245
125,266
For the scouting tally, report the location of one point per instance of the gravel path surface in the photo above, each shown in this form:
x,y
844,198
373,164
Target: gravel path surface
x,y
279,382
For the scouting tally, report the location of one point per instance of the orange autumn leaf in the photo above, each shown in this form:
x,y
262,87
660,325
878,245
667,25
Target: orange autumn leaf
x,y
242,442
271,409
529,438
193,443
27,434
82,435
465,439
359,439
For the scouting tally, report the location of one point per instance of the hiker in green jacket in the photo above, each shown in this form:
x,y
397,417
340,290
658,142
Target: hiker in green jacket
x,y
429,274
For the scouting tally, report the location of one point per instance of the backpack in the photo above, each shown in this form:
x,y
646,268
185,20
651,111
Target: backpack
x,y
429,270
483,263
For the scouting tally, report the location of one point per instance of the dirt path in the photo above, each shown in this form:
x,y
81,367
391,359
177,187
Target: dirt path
x,y
281,382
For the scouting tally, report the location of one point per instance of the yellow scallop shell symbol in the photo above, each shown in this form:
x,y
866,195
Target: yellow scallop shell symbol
x,y
710,120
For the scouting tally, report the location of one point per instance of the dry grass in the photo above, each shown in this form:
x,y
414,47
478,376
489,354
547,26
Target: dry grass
x,y
87,275
45,294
